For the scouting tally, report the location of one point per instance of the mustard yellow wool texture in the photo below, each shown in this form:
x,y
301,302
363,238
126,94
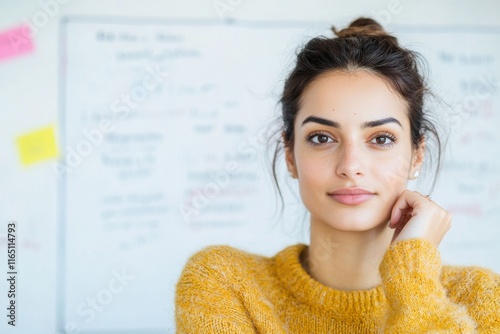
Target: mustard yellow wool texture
x,y
226,290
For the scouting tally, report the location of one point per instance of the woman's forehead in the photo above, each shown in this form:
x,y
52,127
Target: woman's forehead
x,y
351,96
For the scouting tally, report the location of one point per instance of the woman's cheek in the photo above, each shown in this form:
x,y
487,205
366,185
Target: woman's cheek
x,y
313,181
395,172
395,181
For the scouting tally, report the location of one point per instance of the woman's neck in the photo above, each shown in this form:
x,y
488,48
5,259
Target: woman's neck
x,y
346,260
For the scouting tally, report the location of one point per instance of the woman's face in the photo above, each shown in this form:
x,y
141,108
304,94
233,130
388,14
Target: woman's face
x,y
352,130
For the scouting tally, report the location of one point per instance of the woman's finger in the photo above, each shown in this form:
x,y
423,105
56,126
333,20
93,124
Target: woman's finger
x,y
416,216
408,200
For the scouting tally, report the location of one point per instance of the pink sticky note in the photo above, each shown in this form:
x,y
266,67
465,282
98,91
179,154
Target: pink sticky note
x,y
15,42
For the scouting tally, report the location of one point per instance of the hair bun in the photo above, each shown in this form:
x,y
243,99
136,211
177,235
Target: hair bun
x,y
361,27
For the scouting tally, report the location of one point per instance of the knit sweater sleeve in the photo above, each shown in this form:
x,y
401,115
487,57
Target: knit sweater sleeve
x,y
205,301
418,301
479,290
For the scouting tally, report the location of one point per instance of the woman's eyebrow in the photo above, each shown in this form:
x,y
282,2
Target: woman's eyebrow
x,y
365,125
380,122
319,120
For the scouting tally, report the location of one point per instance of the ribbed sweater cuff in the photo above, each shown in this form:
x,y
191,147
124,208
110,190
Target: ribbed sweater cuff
x,y
410,273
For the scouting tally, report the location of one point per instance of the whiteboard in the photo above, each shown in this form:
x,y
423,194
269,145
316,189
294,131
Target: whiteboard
x,y
163,129
163,124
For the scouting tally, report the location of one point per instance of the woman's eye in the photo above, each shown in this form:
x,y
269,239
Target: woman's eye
x,y
320,139
384,140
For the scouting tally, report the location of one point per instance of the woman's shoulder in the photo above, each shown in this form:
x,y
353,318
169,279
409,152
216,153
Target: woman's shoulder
x,y
469,275
221,255
466,283
224,261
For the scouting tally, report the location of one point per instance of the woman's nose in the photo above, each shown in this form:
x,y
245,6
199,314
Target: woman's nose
x,y
350,162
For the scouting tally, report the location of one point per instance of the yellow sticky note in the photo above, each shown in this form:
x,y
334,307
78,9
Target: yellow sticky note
x,y
37,145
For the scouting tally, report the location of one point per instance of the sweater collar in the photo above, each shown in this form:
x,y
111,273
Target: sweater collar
x,y
315,294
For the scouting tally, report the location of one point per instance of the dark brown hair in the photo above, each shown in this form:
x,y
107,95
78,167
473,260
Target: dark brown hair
x,y
363,45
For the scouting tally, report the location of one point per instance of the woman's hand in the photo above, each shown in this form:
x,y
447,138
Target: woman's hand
x,y
416,216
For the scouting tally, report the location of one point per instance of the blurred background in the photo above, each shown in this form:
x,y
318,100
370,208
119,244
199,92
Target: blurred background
x,y
133,134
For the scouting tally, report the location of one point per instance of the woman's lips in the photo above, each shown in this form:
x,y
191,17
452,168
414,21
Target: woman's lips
x,y
351,195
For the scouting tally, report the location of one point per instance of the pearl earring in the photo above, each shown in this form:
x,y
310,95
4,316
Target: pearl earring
x,y
416,173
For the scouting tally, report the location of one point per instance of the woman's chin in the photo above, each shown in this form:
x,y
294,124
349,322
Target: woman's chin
x,y
353,224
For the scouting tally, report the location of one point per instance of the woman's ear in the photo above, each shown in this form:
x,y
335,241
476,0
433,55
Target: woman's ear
x,y
290,158
418,159
290,162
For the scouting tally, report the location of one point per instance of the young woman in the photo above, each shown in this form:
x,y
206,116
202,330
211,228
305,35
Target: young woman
x,y
354,133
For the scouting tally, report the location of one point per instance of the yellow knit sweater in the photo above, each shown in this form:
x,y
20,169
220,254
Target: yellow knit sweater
x,y
225,290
